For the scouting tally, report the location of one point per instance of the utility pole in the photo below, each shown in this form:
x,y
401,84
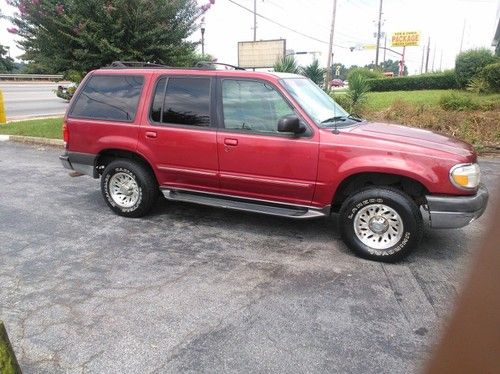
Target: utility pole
x,y
378,32
422,63
328,74
433,58
441,61
254,20
385,44
462,38
202,28
428,52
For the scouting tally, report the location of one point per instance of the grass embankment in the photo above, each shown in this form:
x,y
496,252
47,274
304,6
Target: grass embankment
x,y
467,116
43,128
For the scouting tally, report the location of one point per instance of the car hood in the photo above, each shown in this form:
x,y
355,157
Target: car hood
x,y
414,136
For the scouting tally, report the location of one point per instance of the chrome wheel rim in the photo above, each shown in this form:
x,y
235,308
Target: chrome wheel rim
x,y
124,190
378,226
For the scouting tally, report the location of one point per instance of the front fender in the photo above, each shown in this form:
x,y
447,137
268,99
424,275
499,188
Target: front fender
x,y
333,171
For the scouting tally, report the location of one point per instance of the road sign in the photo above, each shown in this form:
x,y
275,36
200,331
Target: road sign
x,y
405,39
260,54
369,46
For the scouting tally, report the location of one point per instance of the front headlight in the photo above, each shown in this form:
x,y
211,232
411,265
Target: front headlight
x,y
465,175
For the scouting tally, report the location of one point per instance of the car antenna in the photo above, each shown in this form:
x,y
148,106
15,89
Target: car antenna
x,y
335,128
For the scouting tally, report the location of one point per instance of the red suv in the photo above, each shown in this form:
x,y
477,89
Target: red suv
x,y
269,143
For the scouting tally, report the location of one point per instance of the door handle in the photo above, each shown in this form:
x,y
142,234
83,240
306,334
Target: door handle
x,y
151,134
229,141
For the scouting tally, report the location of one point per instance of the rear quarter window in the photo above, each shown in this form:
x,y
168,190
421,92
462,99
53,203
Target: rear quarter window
x,y
109,97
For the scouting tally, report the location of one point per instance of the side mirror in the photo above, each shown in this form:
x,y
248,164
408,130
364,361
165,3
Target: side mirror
x,y
291,124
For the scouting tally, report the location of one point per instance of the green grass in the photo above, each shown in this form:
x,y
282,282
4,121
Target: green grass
x,y
382,100
43,128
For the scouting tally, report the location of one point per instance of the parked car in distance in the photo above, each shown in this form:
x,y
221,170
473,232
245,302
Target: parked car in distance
x,y
337,83
271,143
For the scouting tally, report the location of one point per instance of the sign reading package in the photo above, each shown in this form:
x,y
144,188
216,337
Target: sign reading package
x,y
405,39
260,54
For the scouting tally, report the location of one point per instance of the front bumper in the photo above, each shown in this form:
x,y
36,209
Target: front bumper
x,y
448,212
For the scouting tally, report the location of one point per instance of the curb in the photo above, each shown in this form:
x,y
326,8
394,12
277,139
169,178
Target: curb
x,y
32,140
28,118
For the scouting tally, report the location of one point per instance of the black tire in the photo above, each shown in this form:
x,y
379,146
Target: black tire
x,y
381,202
145,191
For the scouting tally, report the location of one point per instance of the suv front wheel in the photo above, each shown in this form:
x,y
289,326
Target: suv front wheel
x,y
129,189
380,223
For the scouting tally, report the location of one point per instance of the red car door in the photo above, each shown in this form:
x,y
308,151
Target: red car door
x,y
179,135
255,160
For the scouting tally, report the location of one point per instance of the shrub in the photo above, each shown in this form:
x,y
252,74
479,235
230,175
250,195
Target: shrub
x,y
470,63
438,81
287,64
491,74
74,76
342,99
313,72
456,101
478,85
356,93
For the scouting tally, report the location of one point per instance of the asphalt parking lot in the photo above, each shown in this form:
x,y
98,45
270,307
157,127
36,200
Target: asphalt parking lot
x,y
197,289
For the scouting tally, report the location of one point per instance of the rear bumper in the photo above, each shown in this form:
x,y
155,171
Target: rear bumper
x,y
447,212
65,161
80,162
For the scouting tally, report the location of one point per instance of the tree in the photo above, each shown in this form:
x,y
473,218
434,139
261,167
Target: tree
x,y
6,63
287,64
62,35
314,72
393,66
470,63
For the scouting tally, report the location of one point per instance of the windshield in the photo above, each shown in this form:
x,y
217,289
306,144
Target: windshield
x,y
318,105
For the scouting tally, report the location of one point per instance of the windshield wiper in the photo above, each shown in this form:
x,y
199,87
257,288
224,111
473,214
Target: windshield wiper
x,y
354,118
341,119
334,119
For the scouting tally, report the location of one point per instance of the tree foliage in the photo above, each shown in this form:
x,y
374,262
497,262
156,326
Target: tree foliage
x,y
314,72
62,35
6,63
470,63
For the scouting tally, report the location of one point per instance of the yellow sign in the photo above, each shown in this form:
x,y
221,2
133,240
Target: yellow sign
x,y
370,46
405,39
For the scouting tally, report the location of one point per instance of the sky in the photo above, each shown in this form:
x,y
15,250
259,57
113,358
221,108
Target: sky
x,y
355,25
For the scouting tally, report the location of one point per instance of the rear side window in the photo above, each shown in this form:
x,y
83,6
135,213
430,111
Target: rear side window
x,y
182,101
109,97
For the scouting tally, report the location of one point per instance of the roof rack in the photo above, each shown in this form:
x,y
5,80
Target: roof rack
x,y
213,65
202,65
135,64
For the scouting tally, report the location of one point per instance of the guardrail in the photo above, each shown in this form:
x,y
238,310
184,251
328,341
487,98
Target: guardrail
x,y
31,77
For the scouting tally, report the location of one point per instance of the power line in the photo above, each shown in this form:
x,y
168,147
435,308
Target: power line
x,y
283,26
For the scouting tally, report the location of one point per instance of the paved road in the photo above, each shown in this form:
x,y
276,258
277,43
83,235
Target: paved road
x,y
196,289
24,100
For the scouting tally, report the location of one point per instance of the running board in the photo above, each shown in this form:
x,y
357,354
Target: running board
x,y
247,205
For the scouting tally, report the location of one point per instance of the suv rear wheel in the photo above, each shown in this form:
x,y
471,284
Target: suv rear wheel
x,y
129,189
381,223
